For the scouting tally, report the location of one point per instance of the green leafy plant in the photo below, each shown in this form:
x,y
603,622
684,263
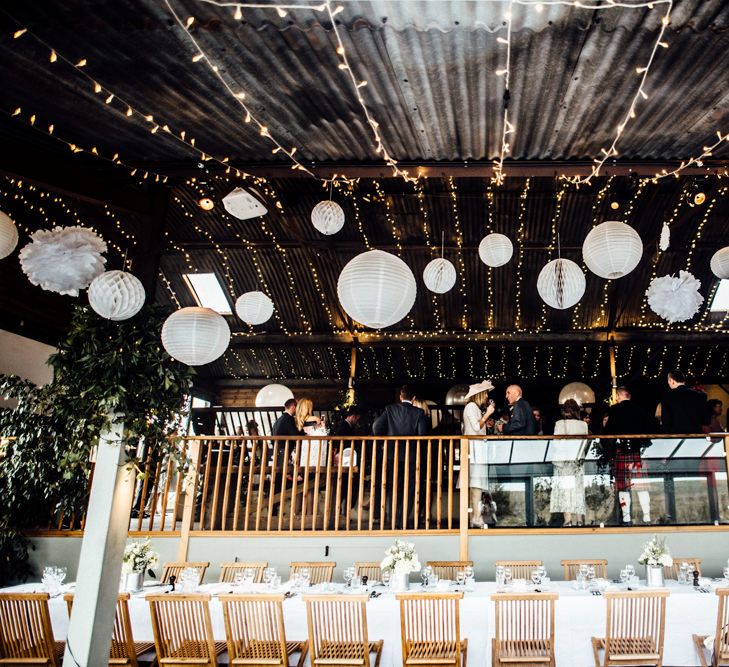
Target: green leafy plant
x,y
103,371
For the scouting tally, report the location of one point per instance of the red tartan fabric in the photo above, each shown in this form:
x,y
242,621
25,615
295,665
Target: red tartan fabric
x,y
627,467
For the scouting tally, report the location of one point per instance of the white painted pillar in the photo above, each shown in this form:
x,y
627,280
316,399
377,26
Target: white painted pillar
x,y
102,550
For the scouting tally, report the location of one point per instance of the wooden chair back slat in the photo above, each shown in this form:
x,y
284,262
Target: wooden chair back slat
x,y
338,628
229,570
25,628
671,571
320,572
520,569
721,636
448,569
524,628
371,570
170,569
572,567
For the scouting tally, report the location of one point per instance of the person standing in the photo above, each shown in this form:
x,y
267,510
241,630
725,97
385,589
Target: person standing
x,y
351,455
521,420
286,424
682,409
713,414
568,483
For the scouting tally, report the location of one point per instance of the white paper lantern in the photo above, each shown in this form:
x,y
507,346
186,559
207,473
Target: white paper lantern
x,y
561,283
273,396
377,289
254,307
719,263
439,275
457,394
577,391
328,217
612,249
195,336
495,250
8,235
116,295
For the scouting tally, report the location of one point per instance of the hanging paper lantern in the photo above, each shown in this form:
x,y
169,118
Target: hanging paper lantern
x,y
377,289
719,263
495,250
254,307
273,396
577,391
63,260
116,295
675,299
8,235
328,217
195,336
457,394
561,283
439,276
612,249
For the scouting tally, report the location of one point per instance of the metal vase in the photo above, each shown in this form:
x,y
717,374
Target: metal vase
x,y
132,582
400,581
654,576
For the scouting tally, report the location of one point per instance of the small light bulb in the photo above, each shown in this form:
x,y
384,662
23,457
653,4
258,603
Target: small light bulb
x,y
614,205
206,204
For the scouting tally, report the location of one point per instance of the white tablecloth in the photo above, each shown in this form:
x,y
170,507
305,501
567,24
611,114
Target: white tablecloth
x,y
579,615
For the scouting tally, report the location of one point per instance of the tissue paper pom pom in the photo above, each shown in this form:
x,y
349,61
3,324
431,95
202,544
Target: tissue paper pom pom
x,y
675,299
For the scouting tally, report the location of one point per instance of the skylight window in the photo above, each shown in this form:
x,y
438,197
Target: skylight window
x,y
208,292
721,297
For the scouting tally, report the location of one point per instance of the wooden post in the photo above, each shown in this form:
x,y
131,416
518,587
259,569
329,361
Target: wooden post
x,y
188,511
463,502
726,454
102,550
613,371
352,372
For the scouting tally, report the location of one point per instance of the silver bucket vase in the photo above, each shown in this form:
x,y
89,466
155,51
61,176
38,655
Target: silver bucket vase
x,y
132,582
400,581
654,576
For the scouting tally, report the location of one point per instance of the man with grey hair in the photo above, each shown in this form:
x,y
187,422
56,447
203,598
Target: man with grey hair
x,y
522,420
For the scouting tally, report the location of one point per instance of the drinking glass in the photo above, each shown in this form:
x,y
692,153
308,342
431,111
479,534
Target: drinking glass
x,y
631,570
52,579
239,579
460,578
507,576
189,579
500,575
305,577
726,573
684,574
580,578
250,576
348,575
536,578
268,574
296,580
424,577
542,571
591,573
386,577
624,576
583,570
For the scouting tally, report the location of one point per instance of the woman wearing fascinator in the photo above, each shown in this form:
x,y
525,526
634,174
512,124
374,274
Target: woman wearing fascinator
x,y
476,413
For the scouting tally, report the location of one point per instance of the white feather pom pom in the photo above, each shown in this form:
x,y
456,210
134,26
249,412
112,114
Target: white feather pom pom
x,y
665,237
675,299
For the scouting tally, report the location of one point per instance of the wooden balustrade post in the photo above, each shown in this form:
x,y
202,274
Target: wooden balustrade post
x,y
463,502
726,455
188,511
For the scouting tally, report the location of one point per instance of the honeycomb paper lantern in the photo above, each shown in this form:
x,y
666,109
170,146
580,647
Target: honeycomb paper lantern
x,y
457,395
719,263
273,396
254,307
8,235
577,391
377,289
439,276
116,295
328,217
195,336
495,250
561,283
612,249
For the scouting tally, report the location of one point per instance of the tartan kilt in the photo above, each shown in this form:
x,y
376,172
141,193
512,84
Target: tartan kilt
x,y
626,468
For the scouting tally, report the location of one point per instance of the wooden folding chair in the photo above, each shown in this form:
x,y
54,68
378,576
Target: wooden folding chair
x,y
448,569
26,635
520,569
671,571
170,569
229,570
338,631
430,629
524,629
124,650
635,628
572,567
183,631
319,572
371,570
720,651
254,629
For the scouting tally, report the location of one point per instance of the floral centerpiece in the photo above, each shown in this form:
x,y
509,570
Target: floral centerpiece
x,y
400,559
655,557
138,560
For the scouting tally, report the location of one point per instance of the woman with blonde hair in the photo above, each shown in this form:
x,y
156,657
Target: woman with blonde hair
x,y
568,483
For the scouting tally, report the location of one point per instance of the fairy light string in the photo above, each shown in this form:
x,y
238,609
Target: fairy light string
x,y
507,128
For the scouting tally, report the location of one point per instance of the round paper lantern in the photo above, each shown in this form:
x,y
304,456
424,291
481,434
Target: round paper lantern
x,y
719,263
377,289
561,283
457,394
116,295
195,336
612,249
495,250
328,217
273,396
254,307
439,276
8,235
577,391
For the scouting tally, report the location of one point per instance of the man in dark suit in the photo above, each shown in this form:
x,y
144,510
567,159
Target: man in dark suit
x,y
400,419
683,409
285,424
347,428
521,421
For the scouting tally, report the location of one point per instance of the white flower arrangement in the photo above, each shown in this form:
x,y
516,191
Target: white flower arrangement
x,y
401,558
656,553
139,557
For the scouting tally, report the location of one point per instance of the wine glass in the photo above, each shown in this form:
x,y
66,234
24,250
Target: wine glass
x,y
386,577
52,579
348,575
460,578
624,576
239,579
631,570
536,577
500,575
296,580
268,574
507,577
305,577
426,574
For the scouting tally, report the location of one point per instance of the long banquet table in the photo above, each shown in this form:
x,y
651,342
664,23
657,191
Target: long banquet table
x,y
578,616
